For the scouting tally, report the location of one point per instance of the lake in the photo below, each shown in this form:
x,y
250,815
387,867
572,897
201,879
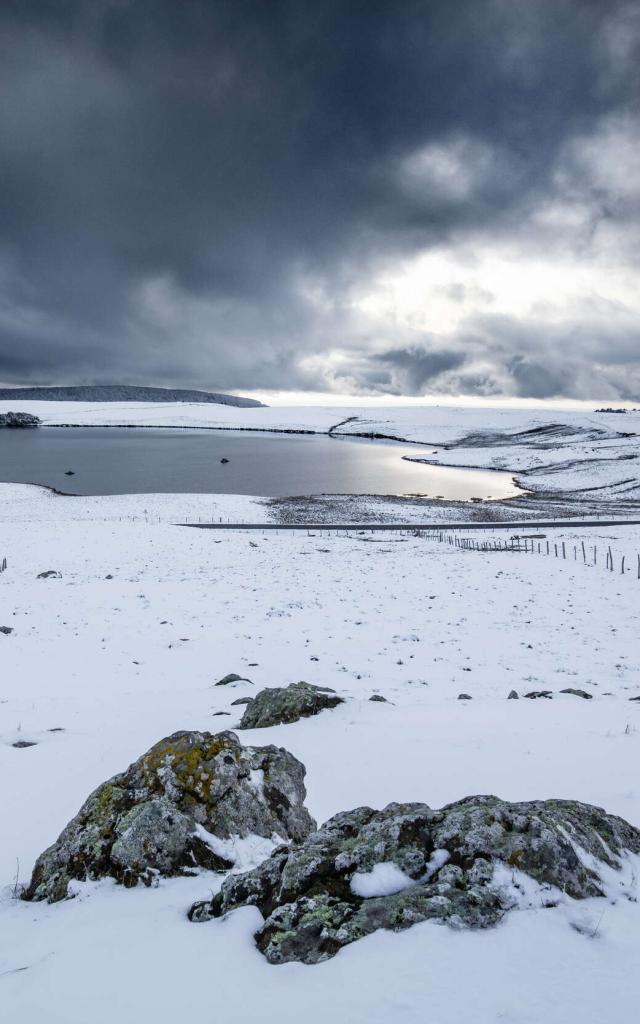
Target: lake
x,y
136,461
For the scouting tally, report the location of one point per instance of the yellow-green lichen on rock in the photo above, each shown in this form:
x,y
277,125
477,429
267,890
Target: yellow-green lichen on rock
x,y
155,819
463,864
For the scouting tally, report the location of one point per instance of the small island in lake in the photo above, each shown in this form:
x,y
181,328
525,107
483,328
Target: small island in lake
x,y
18,419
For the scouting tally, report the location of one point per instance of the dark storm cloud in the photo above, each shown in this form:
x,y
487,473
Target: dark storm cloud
x,y
417,367
191,191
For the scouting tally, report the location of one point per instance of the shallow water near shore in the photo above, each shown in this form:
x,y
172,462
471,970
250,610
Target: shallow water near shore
x,y
136,461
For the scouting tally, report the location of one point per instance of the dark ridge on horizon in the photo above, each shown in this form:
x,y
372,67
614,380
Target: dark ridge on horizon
x,y
122,393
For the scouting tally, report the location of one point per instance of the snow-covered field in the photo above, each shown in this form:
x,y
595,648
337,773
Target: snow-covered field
x,y
97,669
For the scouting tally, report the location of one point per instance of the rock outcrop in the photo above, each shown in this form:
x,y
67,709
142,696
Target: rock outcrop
x,y
169,811
464,865
18,419
288,704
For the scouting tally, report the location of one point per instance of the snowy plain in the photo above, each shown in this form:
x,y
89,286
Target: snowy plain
x,y
97,669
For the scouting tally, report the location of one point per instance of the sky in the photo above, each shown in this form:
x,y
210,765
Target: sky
x,y
387,199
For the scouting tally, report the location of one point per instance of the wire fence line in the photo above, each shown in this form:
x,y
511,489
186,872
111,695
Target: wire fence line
x,y
540,545
587,554
524,543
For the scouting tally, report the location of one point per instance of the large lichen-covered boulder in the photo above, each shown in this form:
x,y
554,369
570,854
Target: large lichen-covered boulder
x,y
464,864
288,704
171,811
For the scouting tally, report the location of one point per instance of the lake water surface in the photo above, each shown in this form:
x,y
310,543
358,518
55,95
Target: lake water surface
x,y
136,461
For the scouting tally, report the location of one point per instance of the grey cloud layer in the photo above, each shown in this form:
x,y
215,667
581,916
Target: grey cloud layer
x,y
191,192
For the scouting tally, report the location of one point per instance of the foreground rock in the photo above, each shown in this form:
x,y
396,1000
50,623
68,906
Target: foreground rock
x,y
463,864
171,811
18,419
288,704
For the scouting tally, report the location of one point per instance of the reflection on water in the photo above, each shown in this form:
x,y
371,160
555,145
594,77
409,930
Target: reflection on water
x,y
134,461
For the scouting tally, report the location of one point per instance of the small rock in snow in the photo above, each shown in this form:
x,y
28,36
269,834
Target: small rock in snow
x,y
281,705
464,696
513,695
232,677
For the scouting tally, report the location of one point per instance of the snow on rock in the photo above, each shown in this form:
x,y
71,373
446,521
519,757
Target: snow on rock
x,y
150,820
241,852
365,870
384,879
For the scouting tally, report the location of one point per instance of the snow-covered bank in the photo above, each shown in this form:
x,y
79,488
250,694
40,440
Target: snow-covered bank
x,y
37,505
125,647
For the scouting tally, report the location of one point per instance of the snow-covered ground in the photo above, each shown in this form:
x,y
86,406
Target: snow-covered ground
x,y
97,669
422,423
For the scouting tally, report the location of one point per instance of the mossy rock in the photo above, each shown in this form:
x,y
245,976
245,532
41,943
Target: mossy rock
x,y
463,865
160,816
282,705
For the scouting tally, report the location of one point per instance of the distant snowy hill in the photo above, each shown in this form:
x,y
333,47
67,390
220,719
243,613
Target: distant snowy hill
x,y
121,393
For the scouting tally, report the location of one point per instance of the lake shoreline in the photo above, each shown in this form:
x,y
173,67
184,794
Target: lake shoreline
x,y
270,463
